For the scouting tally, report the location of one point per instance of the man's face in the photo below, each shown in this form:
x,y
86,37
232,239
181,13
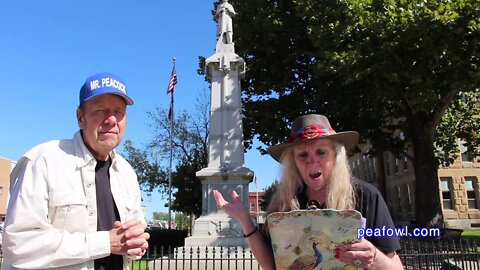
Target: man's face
x,y
103,120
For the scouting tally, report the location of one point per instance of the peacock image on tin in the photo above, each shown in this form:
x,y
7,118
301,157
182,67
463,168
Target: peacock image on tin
x,y
306,239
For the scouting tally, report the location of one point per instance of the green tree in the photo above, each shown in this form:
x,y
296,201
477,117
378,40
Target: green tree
x,y
464,112
269,191
183,222
150,174
378,67
189,155
160,216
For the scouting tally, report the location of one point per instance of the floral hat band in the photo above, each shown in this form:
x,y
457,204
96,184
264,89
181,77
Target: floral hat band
x,y
313,127
310,132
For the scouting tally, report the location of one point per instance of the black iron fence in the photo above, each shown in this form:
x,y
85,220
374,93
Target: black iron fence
x,y
415,254
439,254
198,258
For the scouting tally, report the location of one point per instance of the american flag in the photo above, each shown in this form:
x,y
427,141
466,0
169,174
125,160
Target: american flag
x,y
173,80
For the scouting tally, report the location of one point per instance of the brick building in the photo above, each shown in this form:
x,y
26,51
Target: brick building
x,y
254,201
458,184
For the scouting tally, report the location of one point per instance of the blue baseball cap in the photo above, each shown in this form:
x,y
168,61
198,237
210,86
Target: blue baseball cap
x,y
101,84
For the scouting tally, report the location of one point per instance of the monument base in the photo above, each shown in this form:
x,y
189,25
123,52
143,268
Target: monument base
x,y
194,241
217,230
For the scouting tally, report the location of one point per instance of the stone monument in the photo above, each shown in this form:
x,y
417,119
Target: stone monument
x,y
226,171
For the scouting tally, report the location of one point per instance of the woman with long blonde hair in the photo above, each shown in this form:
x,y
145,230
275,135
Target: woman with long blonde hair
x,y
315,171
341,195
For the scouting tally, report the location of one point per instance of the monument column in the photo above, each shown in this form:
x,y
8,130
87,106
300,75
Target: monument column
x,y
226,171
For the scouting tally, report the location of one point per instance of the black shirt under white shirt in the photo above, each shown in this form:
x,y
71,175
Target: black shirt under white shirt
x,y
107,213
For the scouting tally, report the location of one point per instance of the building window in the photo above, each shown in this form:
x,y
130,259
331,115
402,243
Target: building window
x,y
355,168
466,157
445,188
365,169
357,165
409,197
252,207
399,199
470,187
391,203
387,163
366,163
396,165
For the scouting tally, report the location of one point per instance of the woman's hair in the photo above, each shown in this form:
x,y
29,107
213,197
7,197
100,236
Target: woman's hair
x,y
340,191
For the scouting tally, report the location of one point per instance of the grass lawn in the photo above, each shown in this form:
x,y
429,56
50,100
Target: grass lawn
x,y
139,265
472,235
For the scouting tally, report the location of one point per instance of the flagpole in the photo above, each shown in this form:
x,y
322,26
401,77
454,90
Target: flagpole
x,y
171,157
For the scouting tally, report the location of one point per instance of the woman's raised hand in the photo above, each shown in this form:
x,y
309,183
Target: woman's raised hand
x,y
235,208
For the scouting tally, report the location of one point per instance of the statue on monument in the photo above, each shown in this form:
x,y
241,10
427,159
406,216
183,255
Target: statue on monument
x,y
224,14
226,170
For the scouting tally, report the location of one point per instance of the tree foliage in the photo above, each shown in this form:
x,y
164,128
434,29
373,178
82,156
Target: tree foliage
x,y
160,216
269,191
182,221
460,124
149,172
189,155
378,67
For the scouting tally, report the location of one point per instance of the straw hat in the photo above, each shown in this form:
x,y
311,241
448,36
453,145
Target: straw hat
x,y
313,127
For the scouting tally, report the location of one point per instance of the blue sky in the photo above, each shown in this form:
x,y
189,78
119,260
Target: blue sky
x,y
48,49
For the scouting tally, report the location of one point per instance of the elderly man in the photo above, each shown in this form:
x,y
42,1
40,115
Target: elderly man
x,y
75,204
